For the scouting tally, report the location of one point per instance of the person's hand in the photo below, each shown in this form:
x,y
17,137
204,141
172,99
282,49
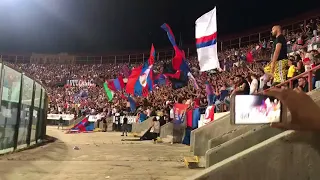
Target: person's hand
x,y
304,111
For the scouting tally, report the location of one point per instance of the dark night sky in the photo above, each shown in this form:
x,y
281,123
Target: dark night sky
x,y
94,26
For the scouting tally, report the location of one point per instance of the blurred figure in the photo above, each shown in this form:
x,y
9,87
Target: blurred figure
x,y
155,129
254,86
125,127
60,123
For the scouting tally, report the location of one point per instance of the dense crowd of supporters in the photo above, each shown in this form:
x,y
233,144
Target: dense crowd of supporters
x,y
238,66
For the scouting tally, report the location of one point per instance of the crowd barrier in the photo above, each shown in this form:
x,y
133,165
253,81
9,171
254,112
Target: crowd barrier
x,y
23,114
65,117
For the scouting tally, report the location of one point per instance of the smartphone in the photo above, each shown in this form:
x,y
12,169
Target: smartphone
x,y
255,109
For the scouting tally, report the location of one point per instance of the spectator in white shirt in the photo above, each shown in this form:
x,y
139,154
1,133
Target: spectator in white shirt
x,y
254,86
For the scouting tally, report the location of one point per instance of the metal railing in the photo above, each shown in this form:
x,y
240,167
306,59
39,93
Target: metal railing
x,y
307,74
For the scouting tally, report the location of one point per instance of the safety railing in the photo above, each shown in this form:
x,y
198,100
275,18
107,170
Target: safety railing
x,y
307,74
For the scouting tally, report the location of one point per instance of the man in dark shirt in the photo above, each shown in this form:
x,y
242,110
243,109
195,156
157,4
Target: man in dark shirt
x,y
125,126
279,61
60,124
242,87
302,85
105,125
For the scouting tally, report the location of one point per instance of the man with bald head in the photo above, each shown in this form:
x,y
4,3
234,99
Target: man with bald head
x,y
277,68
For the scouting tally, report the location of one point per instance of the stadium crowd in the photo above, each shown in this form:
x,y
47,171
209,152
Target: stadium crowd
x,y
237,65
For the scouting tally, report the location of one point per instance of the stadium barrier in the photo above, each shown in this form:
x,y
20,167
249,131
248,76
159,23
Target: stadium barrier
x,y
23,114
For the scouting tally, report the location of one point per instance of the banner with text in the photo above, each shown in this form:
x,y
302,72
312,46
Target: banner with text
x,y
80,83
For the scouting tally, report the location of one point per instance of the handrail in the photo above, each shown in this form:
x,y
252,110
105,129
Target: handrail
x,y
308,73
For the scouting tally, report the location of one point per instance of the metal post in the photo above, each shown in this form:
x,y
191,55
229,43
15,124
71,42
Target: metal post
x,y
239,42
16,60
115,59
158,56
259,37
39,117
1,80
143,57
44,123
31,114
188,52
17,126
129,58
221,46
100,59
87,59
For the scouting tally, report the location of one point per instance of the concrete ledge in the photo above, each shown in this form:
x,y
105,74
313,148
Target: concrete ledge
x,y
229,135
201,136
139,127
166,130
239,144
287,156
217,116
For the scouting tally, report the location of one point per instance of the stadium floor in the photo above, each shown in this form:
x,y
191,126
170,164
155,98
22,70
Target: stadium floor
x,y
100,156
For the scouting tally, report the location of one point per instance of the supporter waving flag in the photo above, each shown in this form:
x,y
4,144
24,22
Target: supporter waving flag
x,y
140,81
178,70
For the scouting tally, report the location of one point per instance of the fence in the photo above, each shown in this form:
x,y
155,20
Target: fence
x,y
23,110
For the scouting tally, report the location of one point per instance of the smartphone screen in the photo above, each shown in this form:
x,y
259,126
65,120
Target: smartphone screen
x,y
256,109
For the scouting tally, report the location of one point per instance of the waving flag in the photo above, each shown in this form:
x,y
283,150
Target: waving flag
x,y
206,41
108,91
140,82
177,78
179,112
178,70
178,61
160,79
116,84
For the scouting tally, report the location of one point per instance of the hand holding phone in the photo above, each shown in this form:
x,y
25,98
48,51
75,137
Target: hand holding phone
x,y
255,109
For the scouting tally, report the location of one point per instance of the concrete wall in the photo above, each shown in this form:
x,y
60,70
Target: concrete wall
x,y
139,127
173,132
286,156
166,130
229,135
239,144
201,136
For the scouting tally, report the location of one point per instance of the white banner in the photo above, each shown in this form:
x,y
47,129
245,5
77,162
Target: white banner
x,y
94,118
65,117
131,119
206,41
